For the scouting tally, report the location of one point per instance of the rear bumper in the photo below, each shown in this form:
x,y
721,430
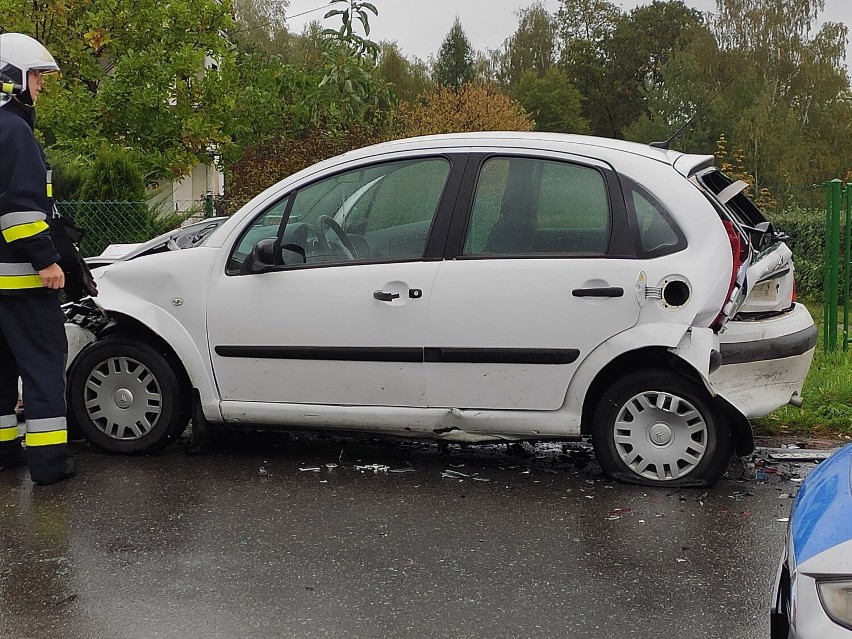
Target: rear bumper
x,y
765,362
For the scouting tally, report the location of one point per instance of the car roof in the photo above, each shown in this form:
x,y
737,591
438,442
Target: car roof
x,y
580,144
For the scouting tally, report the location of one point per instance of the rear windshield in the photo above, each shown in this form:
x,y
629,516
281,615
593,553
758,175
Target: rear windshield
x,y
743,209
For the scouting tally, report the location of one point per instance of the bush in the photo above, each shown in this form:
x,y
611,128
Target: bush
x,y
806,228
112,209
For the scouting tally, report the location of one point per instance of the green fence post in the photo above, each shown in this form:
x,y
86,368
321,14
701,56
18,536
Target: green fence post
x,y
832,263
846,203
209,210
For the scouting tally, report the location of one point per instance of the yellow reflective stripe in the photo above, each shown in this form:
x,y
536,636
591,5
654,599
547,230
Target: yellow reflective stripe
x,y
49,190
22,231
47,439
7,87
9,434
8,282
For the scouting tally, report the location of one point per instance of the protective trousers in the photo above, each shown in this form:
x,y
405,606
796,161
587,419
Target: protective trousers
x,y
33,346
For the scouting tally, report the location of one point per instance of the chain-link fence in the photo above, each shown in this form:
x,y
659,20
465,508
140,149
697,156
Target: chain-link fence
x,y
108,223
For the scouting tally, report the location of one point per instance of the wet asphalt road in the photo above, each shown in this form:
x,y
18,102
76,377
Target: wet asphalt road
x,y
242,543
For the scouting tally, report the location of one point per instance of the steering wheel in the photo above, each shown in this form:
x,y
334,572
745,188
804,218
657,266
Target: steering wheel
x,y
343,245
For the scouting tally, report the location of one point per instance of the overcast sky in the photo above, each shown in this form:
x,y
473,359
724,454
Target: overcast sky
x,y
419,26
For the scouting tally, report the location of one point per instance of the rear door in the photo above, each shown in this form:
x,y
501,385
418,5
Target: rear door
x,y
541,275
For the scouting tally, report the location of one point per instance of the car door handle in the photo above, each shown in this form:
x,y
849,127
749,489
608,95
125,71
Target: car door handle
x,y
385,297
605,291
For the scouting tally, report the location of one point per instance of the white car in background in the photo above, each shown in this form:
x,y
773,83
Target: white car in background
x,y
183,237
466,288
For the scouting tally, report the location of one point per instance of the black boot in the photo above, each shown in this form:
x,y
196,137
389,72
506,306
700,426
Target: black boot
x,y
12,455
70,471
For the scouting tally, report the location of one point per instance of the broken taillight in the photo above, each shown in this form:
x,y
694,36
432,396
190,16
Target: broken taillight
x,y
739,252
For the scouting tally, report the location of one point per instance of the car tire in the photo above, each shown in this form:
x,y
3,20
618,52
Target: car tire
x,y
126,396
655,427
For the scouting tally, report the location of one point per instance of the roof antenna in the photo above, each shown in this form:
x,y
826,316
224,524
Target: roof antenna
x,y
666,143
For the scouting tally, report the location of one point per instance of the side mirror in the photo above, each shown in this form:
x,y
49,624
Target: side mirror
x,y
261,258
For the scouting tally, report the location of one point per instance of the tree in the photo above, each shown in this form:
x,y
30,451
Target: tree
x,y
471,108
160,96
261,21
407,78
552,101
454,64
793,93
532,48
584,27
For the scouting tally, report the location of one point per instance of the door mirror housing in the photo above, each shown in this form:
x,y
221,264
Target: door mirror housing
x,y
261,258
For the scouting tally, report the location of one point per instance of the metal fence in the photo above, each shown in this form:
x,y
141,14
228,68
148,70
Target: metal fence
x,y
106,223
838,258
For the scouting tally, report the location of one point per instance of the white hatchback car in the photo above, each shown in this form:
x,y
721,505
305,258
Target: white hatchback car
x,y
467,288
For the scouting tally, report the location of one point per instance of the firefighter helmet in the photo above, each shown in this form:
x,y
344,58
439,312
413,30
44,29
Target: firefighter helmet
x,y
20,54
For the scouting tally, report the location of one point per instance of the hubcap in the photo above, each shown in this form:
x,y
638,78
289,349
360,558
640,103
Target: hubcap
x,y
123,398
660,436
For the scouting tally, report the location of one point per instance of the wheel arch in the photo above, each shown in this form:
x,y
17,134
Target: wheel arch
x,y
652,357
171,339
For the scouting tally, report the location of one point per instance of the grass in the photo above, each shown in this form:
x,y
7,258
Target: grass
x,y
827,408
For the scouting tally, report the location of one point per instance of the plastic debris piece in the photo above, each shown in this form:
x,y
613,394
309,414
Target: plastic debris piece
x,y
681,561
400,471
454,474
783,519
331,466
262,472
702,497
310,469
801,455
620,511
376,468
760,474
480,479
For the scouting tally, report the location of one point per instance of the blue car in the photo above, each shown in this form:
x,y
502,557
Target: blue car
x,y
813,587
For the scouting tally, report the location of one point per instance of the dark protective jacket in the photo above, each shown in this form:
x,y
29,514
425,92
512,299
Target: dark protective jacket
x,y
25,243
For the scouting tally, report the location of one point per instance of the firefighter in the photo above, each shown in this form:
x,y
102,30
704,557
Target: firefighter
x,y
32,334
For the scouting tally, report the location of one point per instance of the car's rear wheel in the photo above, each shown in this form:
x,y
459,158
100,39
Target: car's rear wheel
x,y
658,428
126,397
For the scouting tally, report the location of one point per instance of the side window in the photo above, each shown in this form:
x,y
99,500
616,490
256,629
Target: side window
x,y
657,233
379,212
526,206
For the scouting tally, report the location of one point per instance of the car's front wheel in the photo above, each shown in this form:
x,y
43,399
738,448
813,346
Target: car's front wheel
x,y
126,397
656,427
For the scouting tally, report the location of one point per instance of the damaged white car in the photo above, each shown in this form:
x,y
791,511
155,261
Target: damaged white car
x,y
467,288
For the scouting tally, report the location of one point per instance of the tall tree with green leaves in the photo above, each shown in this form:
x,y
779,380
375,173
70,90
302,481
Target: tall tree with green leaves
x,y
792,92
552,101
585,28
454,65
407,78
532,48
140,74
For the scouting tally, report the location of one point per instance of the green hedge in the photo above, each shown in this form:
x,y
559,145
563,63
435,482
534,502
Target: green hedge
x,y
806,230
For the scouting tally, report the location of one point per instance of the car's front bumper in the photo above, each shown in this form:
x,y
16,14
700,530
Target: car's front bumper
x,y
765,361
